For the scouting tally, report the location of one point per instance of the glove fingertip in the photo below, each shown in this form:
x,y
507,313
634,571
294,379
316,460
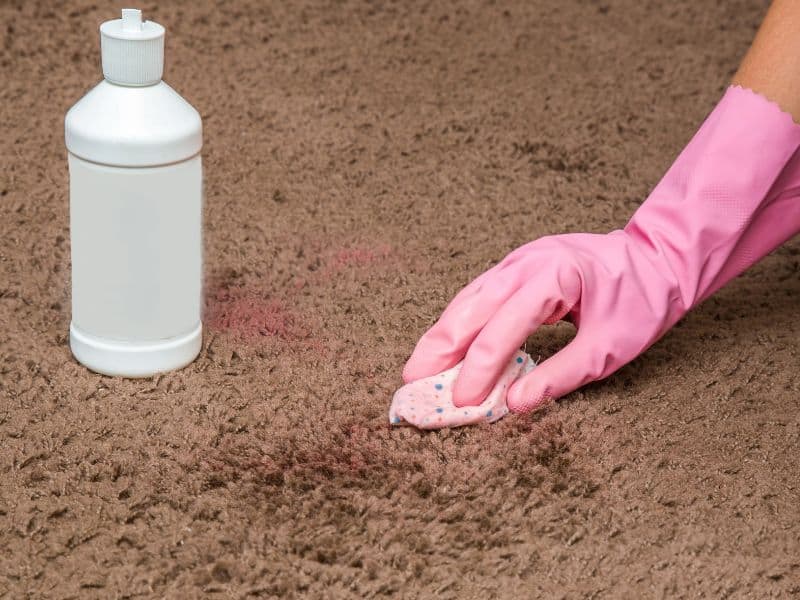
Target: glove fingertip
x,y
528,394
464,395
420,366
412,371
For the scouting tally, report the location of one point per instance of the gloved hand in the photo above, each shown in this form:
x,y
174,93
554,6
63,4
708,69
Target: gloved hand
x,y
728,200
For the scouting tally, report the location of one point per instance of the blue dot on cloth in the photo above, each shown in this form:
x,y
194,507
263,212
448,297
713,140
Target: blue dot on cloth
x,y
439,409
438,386
396,420
519,360
489,414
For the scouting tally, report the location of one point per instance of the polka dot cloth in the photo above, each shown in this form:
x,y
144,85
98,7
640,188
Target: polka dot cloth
x,y
428,403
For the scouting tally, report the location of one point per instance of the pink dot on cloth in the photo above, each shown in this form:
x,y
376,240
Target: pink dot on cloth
x,y
428,403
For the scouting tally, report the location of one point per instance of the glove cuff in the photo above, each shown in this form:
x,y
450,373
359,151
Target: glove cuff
x,y
692,223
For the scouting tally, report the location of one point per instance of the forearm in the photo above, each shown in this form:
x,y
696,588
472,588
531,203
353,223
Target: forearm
x,y
771,66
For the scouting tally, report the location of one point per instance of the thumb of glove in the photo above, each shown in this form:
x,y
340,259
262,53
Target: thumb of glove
x,y
562,373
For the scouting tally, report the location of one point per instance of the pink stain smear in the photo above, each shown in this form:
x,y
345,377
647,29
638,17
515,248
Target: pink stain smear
x,y
358,256
249,315
245,313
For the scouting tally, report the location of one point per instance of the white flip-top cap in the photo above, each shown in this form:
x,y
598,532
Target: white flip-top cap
x,y
132,50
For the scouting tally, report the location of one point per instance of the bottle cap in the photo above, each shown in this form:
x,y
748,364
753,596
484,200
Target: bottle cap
x,y
132,50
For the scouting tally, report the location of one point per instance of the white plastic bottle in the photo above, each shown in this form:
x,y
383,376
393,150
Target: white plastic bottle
x,y
136,197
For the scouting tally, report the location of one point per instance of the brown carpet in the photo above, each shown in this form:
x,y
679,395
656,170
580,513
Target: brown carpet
x,y
364,160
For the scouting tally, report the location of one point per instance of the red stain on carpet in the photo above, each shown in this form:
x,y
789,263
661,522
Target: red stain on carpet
x,y
357,256
248,314
348,451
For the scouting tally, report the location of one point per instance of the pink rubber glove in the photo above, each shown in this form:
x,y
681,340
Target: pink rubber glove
x,y
731,197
